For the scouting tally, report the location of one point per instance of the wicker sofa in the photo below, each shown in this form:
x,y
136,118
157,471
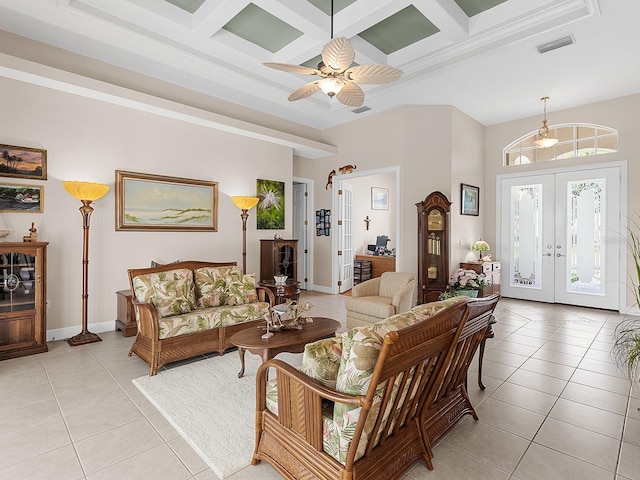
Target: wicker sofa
x,y
191,308
372,402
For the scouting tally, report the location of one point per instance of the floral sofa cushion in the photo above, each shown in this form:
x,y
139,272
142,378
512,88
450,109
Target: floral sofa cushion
x,y
241,290
171,292
213,317
211,284
428,309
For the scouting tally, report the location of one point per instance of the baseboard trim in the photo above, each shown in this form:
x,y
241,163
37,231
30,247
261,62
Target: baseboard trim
x,y
68,332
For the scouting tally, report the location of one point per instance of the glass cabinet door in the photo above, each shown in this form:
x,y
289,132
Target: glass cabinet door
x,y
285,260
17,282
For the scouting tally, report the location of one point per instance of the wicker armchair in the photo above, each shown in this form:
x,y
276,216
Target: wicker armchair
x,y
392,418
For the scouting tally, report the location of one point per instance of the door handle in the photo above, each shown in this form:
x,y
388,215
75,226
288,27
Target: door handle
x,y
546,255
560,255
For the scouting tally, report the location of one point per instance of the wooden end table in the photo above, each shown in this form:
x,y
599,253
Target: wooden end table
x,y
292,341
289,290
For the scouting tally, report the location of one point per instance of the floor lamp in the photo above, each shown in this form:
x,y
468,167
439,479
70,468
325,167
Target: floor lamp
x,y
245,204
86,192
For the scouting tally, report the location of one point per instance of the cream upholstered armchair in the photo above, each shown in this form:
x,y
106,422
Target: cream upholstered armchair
x,y
380,298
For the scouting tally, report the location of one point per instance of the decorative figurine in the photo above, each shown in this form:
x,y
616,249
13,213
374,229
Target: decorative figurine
x,y
33,234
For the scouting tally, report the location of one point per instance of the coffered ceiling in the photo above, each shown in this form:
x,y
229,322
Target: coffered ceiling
x,y
478,55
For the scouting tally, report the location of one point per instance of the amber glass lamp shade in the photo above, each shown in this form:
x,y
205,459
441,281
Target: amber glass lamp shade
x,y
245,203
86,190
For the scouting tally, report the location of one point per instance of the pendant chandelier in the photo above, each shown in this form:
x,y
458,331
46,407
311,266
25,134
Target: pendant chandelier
x,y
543,140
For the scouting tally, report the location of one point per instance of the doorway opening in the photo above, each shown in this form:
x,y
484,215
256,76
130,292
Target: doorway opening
x,y
357,223
303,229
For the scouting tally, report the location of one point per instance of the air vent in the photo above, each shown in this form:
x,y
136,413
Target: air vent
x,y
361,109
555,44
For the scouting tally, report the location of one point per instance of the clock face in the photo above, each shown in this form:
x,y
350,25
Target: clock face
x,y
434,220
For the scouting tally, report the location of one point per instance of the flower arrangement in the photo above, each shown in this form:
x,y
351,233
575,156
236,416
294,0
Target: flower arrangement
x,y
463,279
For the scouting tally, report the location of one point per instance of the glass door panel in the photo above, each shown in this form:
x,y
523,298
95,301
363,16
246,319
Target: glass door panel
x,y
17,277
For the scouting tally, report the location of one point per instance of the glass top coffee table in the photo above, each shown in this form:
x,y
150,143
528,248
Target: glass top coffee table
x,y
292,341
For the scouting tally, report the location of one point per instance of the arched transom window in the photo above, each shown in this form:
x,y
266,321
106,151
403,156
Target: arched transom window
x,y
574,140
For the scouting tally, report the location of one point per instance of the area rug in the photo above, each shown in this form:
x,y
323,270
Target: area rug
x,y
211,407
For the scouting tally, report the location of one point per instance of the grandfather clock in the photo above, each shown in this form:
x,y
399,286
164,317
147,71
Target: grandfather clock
x,y
433,247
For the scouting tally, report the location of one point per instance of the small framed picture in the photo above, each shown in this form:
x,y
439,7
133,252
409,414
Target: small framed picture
x,y
470,200
379,198
23,162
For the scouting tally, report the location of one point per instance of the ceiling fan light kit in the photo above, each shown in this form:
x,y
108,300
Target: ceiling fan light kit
x,y
337,77
543,140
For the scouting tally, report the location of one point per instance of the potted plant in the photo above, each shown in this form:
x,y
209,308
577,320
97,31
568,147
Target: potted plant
x,y
626,337
467,282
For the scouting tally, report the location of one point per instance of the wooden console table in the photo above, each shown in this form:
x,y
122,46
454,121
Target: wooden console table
x,y
126,321
491,271
379,264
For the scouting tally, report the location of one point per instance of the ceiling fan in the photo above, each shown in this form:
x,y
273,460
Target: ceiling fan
x,y
337,77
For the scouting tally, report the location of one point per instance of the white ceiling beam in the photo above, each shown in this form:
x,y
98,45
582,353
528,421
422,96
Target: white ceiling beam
x,y
447,16
361,15
212,20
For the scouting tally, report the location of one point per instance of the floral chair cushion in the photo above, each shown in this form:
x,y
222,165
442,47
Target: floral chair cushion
x,y
428,309
321,360
171,292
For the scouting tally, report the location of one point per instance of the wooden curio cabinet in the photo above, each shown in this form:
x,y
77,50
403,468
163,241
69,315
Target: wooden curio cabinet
x,y
23,281
433,247
279,257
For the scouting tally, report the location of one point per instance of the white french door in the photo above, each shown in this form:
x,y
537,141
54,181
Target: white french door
x,y
560,237
301,232
345,235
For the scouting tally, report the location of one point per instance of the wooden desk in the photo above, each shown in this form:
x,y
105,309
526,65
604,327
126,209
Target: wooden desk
x,y
379,264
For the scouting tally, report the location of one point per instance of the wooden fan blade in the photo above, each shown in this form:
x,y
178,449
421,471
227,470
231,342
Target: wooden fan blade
x,y
351,95
373,74
285,67
305,91
338,54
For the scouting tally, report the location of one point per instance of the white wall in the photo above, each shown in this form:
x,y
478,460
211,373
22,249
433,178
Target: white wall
x,y
88,140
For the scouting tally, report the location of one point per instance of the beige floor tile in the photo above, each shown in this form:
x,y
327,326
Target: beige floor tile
x,y
571,340
494,369
32,441
524,397
580,443
262,471
542,463
511,347
59,464
596,397
188,455
15,366
507,358
557,357
632,432
491,445
81,425
78,383
525,340
159,462
565,348
18,394
538,381
452,464
95,398
629,466
29,415
478,396
510,418
105,449
548,368
598,366
34,375
599,380
591,418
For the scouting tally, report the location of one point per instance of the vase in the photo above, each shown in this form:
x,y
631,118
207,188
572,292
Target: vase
x,y
467,293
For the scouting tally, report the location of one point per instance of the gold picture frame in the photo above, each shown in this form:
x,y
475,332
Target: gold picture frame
x,y
155,202
19,198
23,162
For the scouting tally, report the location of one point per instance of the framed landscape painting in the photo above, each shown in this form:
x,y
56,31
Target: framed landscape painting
x,y
270,211
21,198
23,162
154,202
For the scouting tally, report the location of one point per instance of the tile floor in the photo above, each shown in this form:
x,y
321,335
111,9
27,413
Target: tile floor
x,y
554,408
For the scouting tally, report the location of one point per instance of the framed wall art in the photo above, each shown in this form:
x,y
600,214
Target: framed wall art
x,y
23,162
470,200
379,198
270,209
155,202
323,222
21,198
